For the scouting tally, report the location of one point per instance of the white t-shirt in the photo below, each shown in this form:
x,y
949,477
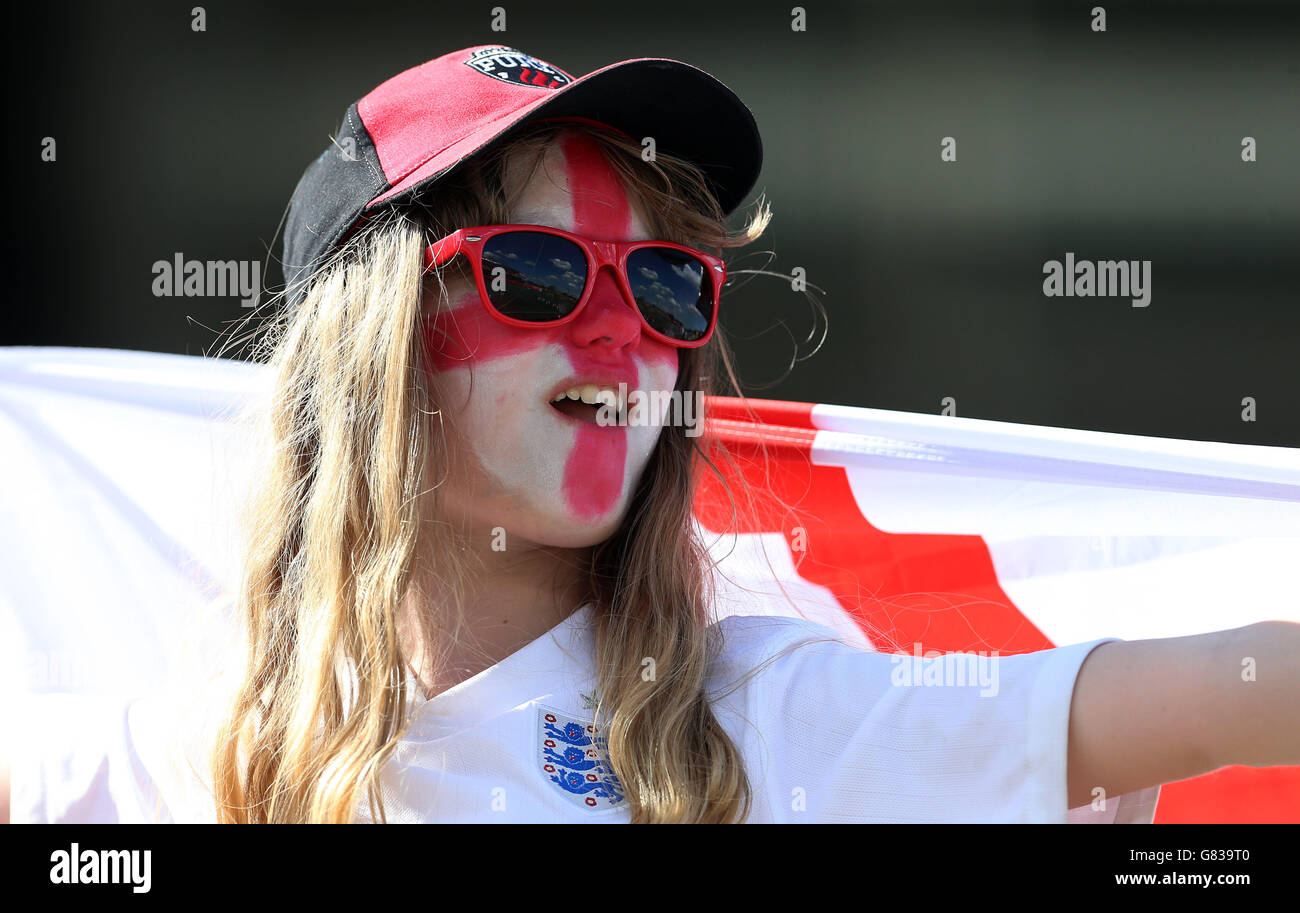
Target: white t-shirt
x,y
828,732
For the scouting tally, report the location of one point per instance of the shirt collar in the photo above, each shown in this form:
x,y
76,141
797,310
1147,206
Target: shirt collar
x,y
549,669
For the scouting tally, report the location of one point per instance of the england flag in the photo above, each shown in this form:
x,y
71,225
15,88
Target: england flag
x,y
123,474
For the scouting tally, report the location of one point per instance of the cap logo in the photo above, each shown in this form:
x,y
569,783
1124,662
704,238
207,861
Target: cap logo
x,y
510,65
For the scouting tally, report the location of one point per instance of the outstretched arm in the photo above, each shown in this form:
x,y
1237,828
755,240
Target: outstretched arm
x,y
1147,712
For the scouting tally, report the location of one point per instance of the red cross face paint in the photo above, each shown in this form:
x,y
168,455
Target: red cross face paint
x,y
548,471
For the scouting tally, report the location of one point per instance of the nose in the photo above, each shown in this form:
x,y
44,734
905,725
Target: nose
x,y
608,320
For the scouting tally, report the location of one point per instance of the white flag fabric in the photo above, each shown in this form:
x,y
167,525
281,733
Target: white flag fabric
x,y
124,471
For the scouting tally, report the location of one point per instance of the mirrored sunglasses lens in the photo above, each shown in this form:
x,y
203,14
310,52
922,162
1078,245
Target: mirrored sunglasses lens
x,y
533,276
674,291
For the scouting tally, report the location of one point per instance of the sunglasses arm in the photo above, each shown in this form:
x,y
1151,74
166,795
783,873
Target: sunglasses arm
x,y
440,252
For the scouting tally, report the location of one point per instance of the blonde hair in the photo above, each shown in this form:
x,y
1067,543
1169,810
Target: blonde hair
x,y
340,532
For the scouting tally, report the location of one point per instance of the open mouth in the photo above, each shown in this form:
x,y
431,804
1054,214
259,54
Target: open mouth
x,y
578,410
588,404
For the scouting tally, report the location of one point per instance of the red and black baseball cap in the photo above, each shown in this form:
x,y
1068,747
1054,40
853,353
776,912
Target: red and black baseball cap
x,y
425,123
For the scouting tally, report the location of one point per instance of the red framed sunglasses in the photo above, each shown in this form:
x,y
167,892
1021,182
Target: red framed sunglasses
x,y
538,276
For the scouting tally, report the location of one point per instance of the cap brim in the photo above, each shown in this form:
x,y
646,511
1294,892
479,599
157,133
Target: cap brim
x,y
688,112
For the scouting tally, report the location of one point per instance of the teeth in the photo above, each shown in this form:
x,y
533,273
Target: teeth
x,y
592,395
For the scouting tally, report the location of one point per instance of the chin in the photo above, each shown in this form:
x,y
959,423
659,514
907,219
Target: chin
x,y
562,529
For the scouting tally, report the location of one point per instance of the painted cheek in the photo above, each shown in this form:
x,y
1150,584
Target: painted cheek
x,y
658,357
468,333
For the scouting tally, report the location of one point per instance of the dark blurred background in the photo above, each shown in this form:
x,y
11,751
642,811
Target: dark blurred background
x,y
1117,145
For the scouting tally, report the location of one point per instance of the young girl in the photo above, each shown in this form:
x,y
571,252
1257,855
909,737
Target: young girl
x,y
472,595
